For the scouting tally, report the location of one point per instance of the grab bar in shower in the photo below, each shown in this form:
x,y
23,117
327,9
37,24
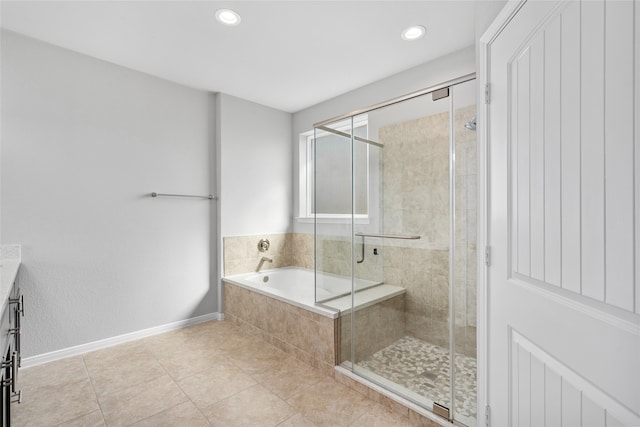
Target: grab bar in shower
x,y
209,196
390,236
383,236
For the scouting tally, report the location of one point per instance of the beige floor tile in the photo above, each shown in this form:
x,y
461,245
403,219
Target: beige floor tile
x,y
255,406
57,373
259,357
116,352
131,404
52,404
188,361
212,328
298,420
289,378
235,379
93,419
167,343
183,415
329,403
220,381
378,416
117,367
207,336
232,343
418,420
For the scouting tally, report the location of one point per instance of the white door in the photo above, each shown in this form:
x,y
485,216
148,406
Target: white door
x,y
563,214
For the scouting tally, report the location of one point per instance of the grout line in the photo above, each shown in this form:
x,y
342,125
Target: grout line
x,y
93,387
193,403
66,422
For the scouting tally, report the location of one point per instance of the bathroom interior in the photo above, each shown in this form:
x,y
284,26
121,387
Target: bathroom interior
x,y
311,201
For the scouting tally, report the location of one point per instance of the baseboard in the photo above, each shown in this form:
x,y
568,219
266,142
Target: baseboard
x,y
120,339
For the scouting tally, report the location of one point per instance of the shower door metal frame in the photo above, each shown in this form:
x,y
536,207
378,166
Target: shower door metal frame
x,y
452,82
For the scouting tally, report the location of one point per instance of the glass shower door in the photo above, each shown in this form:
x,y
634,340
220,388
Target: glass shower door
x,y
331,203
401,333
464,260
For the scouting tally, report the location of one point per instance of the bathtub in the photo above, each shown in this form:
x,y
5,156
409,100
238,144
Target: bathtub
x,y
279,306
330,297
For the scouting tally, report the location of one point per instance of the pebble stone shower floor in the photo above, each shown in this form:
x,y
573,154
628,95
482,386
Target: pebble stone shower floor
x,y
423,368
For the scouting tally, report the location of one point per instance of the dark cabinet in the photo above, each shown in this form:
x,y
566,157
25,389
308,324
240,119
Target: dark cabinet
x,y
10,334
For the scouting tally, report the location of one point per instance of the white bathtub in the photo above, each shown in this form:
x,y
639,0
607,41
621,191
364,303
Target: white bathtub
x,y
295,286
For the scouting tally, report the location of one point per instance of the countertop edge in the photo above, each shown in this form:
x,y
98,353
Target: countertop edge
x,y
8,274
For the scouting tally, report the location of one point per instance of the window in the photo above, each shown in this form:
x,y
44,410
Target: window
x,y
330,155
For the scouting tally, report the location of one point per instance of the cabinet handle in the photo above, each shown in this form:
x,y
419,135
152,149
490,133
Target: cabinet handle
x,y
19,312
20,302
14,371
16,396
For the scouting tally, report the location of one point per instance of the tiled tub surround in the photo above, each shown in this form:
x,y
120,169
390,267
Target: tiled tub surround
x,y
282,311
241,254
308,336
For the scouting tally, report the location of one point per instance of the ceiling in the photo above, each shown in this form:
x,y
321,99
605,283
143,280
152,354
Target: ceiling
x,y
285,54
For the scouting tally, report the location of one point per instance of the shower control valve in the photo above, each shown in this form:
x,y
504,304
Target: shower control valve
x,y
263,245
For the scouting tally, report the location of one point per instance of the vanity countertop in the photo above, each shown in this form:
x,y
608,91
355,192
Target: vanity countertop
x,y
9,264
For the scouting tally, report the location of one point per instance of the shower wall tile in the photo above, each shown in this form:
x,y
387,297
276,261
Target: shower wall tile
x,y
416,201
302,251
241,254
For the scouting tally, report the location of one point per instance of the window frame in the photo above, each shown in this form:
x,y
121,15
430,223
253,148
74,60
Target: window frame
x,y
305,179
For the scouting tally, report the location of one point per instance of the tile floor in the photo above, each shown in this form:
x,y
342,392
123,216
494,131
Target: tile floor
x,y
423,368
210,374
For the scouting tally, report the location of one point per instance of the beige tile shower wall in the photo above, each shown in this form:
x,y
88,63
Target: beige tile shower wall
x,y
416,179
302,251
308,336
334,257
465,254
416,201
241,254
425,275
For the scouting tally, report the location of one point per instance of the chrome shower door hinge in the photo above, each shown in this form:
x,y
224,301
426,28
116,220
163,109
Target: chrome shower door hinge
x,y
487,256
441,410
487,412
487,97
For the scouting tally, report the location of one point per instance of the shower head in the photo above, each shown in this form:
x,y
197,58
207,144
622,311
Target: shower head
x,y
471,124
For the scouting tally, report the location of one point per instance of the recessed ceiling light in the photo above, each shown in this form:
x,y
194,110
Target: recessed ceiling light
x,y
413,33
227,17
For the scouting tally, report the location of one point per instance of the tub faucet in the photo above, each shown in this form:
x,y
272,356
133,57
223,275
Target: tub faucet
x,y
262,261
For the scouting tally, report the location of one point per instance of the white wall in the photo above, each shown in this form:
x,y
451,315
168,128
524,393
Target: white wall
x,y
429,74
84,142
255,167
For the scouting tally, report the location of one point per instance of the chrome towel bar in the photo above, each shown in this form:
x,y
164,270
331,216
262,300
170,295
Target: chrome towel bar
x,y
210,197
390,236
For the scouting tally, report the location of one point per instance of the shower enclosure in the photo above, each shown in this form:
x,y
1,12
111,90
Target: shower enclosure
x,y
395,206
